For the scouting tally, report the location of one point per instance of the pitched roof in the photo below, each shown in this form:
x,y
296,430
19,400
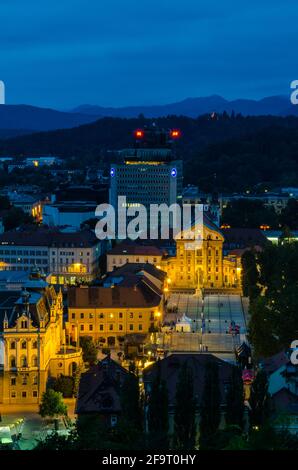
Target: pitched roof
x,y
138,269
44,237
99,389
39,303
134,293
127,249
170,368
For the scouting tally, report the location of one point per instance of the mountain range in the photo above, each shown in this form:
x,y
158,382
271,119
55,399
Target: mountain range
x,y
23,119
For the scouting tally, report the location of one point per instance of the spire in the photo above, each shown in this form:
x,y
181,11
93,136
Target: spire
x,y
5,321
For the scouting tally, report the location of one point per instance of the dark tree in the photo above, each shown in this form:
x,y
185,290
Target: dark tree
x,y
210,406
250,276
235,399
89,349
259,400
185,411
130,402
157,413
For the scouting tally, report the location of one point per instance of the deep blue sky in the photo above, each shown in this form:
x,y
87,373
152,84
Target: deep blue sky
x,y
62,53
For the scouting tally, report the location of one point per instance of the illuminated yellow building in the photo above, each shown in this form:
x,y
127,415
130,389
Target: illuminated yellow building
x,y
200,263
33,343
129,302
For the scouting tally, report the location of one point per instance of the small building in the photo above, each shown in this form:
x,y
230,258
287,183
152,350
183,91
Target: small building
x,y
99,391
133,253
170,368
184,324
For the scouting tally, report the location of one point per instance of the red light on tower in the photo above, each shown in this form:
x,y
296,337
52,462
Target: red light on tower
x,y
139,134
175,134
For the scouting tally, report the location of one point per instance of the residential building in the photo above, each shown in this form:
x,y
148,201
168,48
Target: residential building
x,y
100,392
72,213
126,252
68,257
169,370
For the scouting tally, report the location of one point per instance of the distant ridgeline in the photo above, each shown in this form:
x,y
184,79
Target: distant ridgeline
x,y
223,152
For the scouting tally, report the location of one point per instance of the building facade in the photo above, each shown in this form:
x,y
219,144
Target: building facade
x,y
201,264
133,253
129,302
149,173
33,343
67,256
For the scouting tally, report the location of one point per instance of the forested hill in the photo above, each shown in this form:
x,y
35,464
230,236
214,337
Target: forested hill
x,y
240,151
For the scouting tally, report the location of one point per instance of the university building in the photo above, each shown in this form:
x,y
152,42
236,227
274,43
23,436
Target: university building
x,y
32,342
129,302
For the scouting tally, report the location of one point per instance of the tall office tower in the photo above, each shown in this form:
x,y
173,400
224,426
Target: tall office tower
x,y
149,172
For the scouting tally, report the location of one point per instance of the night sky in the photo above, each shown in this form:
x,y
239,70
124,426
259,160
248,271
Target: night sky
x,y
63,53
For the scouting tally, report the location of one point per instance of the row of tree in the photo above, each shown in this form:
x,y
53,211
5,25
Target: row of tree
x,y
270,280
252,213
145,421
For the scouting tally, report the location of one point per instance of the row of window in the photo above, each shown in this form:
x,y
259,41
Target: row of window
x,y
13,380
24,394
23,362
23,252
112,327
24,324
110,316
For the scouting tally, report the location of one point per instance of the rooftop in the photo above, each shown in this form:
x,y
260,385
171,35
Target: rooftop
x,y
48,237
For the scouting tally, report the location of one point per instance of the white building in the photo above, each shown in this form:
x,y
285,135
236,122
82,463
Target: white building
x,y
71,213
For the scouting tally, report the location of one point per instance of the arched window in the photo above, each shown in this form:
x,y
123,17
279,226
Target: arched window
x,y
23,361
24,345
34,361
34,345
13,345
12,361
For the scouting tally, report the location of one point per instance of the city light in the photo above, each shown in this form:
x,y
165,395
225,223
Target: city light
x,y
139,134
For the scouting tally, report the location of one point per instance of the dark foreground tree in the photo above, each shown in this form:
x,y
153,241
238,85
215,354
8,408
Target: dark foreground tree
x,y
259,400
185,411
157,413
235,399
210,407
